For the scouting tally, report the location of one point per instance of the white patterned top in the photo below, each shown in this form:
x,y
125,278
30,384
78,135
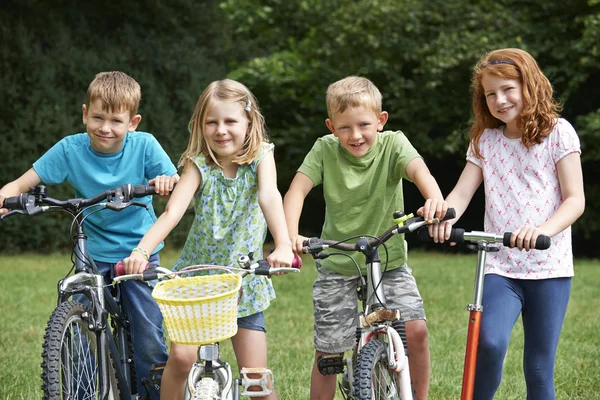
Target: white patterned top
x,y
521,187
229,223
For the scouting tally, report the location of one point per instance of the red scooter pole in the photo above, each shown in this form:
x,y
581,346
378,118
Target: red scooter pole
x,y
475,313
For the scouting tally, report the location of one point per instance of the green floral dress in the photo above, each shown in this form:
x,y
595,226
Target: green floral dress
x,y
229,223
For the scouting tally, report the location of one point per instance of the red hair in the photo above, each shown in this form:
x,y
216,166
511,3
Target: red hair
x,y
540,109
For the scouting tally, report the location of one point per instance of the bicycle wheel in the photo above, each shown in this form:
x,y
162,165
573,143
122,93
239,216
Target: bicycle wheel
x,y
207,389
373,380
70,368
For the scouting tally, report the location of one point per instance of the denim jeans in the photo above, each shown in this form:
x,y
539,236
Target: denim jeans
x,y
145,321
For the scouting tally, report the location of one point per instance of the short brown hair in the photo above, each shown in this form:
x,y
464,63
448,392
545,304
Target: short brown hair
x,y
117,91
353,91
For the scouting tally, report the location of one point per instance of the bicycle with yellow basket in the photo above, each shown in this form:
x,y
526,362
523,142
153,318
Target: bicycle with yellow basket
x,y
201,310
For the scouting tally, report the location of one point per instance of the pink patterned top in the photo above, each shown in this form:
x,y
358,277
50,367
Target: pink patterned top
x,y
521,187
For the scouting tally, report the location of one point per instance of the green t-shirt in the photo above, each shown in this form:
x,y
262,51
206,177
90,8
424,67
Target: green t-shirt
x,y
361,193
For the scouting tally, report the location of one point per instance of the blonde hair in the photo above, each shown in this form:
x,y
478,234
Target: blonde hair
x,y
350,92
230,91
118,92
540,109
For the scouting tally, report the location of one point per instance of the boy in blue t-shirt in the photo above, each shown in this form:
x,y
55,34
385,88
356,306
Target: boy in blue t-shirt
x,y
111,153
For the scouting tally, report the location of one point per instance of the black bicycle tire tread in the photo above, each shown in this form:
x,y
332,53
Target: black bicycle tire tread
x,y
368,357
51,348
132,371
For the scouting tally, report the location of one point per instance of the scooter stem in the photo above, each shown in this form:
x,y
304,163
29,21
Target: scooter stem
x,y
475,310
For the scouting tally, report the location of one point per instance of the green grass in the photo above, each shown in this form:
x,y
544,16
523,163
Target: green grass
x,y
28,293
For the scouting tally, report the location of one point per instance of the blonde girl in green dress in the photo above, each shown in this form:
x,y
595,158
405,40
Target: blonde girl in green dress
x,y
229,172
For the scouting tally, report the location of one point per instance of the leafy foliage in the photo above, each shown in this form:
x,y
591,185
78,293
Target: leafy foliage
x,y
52,53
420,55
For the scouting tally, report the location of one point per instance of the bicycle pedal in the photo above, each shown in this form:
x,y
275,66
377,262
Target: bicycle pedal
x,y
262,382
331,364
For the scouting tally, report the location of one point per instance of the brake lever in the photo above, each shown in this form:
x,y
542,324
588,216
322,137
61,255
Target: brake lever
x,y
283,269
12,212
119,205
139,204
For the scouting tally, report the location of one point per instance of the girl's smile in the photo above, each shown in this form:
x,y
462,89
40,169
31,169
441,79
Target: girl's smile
x,y
504,98
225,129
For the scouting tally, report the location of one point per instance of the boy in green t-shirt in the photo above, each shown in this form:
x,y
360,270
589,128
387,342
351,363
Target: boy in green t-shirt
x,y
361,171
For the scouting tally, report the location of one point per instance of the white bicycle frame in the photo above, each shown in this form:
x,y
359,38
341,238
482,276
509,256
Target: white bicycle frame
x,y
224,376
221,376
397,358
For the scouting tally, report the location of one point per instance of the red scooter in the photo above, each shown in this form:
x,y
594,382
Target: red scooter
x,y
483,243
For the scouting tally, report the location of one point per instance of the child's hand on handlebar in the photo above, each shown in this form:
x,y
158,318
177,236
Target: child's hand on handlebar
x,y
298,243
2,210
441,232
433,208
525,237
164,184
136,263
281,257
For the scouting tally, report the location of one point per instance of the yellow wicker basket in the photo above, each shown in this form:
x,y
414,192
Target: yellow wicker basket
x,y
199,309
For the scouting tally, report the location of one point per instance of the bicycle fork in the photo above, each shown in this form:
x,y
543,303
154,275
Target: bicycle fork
x,y
96,318
209,365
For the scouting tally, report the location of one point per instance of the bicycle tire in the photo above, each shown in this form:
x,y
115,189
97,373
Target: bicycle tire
x,y
131,364
69,356
373,380
207,389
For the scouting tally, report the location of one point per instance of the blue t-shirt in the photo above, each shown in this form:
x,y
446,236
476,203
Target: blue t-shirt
x,y
111,235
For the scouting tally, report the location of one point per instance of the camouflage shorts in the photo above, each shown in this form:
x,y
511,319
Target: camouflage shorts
x,y
335,303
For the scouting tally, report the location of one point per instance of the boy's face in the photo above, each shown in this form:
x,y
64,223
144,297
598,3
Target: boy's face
x,y
107,129
356,128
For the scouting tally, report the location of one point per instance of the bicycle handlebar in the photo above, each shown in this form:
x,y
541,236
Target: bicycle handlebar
x,y
458,235
261,267
36,201
315,245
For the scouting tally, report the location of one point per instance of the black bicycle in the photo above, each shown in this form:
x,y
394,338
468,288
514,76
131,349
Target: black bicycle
x,y
87,350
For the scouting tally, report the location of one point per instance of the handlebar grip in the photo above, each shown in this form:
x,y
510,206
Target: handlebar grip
x,y
143,190
297,262
450,214
542,242
456,235
120,269
15,202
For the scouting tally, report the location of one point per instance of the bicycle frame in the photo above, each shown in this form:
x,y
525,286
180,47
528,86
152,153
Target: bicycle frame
x,y
102,304
372,323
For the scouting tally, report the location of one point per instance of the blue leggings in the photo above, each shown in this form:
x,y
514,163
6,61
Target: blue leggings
x,y
542,304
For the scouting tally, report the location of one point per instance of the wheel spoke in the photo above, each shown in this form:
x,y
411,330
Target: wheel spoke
x,y
70,369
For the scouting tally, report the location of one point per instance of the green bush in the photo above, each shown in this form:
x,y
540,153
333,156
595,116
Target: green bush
x,y
51,54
